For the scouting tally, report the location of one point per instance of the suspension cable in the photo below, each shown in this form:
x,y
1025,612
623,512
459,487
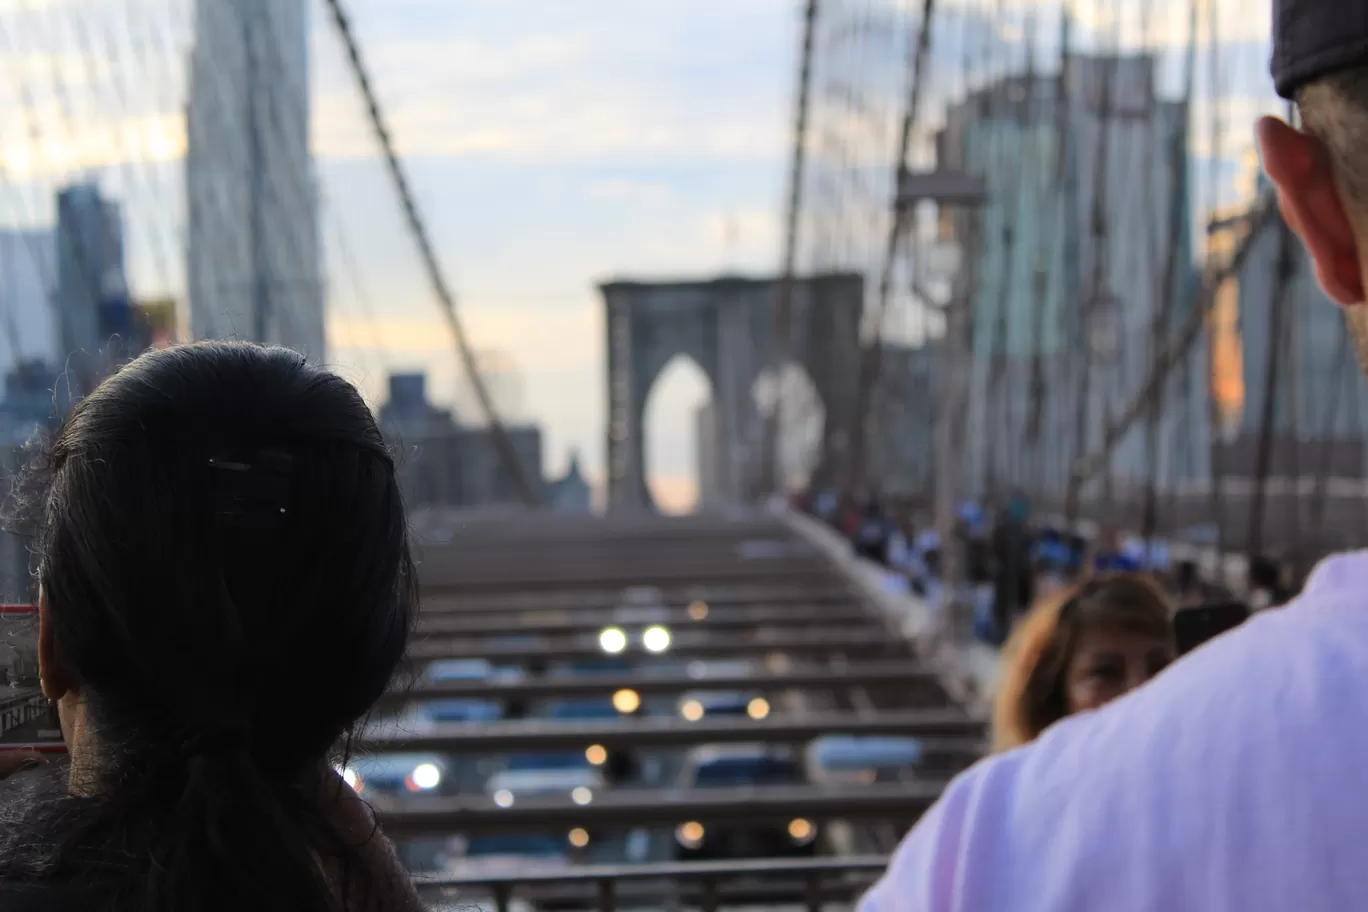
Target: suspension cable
x,y
507,454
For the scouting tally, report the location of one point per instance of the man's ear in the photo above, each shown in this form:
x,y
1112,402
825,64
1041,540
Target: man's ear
x,y
51,673
1299,165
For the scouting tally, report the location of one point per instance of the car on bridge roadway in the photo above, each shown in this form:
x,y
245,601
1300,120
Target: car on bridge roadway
x,y
740,766
382,779
694,705
861,760
444,670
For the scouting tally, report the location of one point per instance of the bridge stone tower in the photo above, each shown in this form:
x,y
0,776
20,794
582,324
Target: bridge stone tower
x,y
725,325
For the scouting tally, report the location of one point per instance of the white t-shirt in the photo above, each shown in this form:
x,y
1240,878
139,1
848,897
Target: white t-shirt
x,y
1236,781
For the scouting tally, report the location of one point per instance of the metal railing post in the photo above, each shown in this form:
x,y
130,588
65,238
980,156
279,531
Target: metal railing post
x,y
607,890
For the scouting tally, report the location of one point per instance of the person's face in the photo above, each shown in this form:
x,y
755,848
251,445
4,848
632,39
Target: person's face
x,y
1109,663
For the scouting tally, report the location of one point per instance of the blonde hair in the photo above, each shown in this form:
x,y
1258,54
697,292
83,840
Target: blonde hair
x,y
1032,691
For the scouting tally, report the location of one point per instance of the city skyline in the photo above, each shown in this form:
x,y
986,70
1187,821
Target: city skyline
x,y
551,148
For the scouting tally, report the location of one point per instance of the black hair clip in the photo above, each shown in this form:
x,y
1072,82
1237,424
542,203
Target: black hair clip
x,y
252,491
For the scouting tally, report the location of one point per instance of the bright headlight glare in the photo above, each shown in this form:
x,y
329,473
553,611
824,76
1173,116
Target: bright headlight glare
x,y
656,639
626,701
802,831
612,640
689,835
427,776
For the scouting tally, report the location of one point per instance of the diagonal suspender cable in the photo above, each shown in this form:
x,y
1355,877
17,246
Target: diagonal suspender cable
x,y
781,346
871,356
507,455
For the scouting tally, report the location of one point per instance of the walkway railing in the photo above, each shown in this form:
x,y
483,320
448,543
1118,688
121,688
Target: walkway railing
x,y
703,885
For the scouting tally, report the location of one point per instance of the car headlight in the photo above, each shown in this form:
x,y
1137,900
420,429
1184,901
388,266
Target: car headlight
x,y
656,639
689,835
802,831
424,778
627,701
612,640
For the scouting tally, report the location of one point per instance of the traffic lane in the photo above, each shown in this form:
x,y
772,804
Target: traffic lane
x,y
903,802
552,621
912,685
949,730
435,601
868,643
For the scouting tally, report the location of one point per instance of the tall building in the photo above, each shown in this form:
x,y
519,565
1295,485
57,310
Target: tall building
x,y
1318,422
254,249
444,463
1072,252
28,277
571,492
94,313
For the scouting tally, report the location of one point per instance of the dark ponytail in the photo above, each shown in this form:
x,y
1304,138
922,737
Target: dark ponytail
x,y
227,578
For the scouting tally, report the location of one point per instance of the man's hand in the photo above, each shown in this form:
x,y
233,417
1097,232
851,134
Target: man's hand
x,y
12,761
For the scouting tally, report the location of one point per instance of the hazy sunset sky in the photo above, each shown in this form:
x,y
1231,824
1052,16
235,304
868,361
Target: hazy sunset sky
x,y
552,145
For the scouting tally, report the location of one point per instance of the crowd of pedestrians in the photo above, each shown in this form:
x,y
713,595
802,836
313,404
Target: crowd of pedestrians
x,y
1012,559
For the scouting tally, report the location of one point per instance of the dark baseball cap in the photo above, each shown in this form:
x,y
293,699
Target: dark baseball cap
x,y
1314,38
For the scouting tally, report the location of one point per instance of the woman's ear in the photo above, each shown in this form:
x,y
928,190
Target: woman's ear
x,y
53,677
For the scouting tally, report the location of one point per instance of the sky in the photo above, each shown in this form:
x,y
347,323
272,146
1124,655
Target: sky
x,y
552,145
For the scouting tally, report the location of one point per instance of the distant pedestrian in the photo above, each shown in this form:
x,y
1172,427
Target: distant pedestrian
x,y
1078,651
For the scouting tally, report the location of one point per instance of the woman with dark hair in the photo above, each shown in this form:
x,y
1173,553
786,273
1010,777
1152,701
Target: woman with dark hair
x,y
1078,651
225,588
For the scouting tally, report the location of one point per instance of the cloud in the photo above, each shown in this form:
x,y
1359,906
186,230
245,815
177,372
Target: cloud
x,y
548,338
100,143
650,193
612,128
624,82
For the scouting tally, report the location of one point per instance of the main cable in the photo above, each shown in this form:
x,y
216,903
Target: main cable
x,y
445,298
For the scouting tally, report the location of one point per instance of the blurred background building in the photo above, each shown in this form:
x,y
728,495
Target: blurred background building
x,y
1081,247
443,462
253,263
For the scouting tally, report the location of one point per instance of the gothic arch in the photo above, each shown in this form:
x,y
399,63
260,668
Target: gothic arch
x,y
725,326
